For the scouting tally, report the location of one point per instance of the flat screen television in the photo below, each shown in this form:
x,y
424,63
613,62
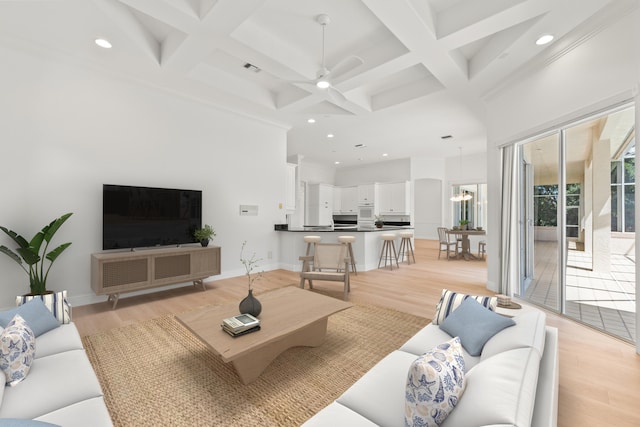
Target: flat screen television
x,y
135,217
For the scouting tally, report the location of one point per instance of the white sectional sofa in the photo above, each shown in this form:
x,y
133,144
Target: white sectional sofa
x,y
61,387
514,381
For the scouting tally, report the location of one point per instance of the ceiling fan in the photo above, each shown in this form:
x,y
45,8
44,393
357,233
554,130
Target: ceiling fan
x,y
324,75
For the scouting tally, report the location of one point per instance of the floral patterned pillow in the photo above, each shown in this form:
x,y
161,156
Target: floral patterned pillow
x,y
434,385
17,348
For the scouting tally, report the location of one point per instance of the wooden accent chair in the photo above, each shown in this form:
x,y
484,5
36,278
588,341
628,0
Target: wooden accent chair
x,y
445,244
330,261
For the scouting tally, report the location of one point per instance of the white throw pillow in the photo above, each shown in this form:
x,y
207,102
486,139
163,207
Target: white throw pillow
x,y
450,300
434,385
17,348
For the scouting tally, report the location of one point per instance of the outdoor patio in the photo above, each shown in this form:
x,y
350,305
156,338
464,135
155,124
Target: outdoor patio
x,y
605,300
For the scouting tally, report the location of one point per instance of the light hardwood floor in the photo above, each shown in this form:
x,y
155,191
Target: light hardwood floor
x,y
599,375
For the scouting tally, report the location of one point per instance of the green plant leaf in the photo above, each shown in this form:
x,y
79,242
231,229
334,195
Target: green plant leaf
x,y
36,242
21,241
8,252
52,228
29,255
51,256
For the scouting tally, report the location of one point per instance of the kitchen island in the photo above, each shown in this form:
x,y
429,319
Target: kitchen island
x,y
366,248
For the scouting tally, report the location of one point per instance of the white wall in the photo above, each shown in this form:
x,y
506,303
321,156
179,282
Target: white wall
x,y
68,130
597,73
389,171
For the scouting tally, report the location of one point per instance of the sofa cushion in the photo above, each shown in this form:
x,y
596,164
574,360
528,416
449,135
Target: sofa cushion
x,y
63,338
338,415
529,331
450,300
22,422
91,412
54,382
474,324
500,391
435,383
429,337
379,394
56,302
34,312
17,348
3,380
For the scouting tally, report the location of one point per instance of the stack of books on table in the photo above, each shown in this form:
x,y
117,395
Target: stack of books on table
x,y
240,325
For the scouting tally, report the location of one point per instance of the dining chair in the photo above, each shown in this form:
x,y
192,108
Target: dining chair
x,y
445,244
330,261
482,248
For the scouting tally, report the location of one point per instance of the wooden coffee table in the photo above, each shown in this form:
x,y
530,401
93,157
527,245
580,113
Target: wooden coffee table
x,y
290,317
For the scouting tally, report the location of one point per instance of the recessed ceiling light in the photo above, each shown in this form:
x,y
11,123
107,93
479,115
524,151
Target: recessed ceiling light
x,y
336,162
104,43
384,154
311,120
544,39
330,135
323,84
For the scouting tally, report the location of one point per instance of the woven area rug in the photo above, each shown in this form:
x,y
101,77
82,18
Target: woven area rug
x,y
155,373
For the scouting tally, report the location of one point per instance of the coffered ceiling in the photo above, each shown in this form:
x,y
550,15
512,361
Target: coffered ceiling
x,y
403,73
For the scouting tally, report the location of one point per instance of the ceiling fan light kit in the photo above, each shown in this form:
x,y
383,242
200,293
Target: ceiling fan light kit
x,y
324,75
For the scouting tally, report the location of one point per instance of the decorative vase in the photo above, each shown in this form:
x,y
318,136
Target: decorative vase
x,y
204,242
250,305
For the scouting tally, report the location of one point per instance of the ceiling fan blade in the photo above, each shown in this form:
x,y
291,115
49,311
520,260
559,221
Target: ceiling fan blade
x,y
345,65
336,95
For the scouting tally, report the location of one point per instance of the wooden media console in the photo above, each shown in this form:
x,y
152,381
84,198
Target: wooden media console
x,y
113,273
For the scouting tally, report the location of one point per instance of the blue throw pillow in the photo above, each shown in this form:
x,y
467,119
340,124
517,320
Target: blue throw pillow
x,y
475,325
35,313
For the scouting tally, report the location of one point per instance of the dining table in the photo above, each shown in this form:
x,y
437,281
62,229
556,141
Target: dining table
x,y
466,246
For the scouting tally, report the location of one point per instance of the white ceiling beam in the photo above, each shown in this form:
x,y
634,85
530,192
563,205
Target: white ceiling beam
x,y
222,19
123,17
380,72
180,18
515,15
406,25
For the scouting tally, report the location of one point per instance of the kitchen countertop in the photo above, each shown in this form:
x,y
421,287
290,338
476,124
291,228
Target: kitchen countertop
x,y
349,229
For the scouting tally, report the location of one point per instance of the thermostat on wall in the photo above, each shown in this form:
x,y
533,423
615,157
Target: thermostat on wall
x,y
249,210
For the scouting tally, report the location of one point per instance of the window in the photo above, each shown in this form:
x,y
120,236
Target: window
x,y
473,207
545,199
623,190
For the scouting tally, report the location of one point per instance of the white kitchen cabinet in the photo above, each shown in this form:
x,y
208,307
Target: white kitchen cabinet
x,y
367,194
348,200
320,204
394,198
337,200
290,196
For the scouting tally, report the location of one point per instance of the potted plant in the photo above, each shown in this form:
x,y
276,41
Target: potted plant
x,y
250,304
379,222
464,223
32,255
204,234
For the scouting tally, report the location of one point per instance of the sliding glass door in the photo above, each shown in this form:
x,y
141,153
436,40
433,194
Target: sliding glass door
x,y
577,221
539,225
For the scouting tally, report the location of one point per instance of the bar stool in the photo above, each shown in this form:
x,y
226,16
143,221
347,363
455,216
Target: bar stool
x,y
482,248
348,240
389,250
311,241
406,247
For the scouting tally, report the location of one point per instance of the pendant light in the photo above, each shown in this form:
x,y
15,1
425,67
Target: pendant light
x,y
463,195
